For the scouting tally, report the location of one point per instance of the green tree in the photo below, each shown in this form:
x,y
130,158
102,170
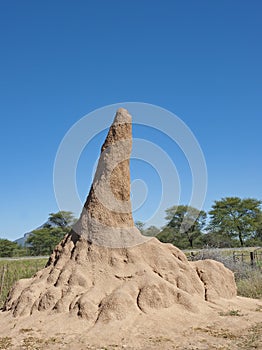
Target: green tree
x,y
140,225
184,227
258,233
43,241
151,231
61,219
236,217
8,248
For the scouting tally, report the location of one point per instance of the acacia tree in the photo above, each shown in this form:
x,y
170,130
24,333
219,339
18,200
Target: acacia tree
x,y
140,225
43,240
236,217
185,223
258,233
60,219
151,231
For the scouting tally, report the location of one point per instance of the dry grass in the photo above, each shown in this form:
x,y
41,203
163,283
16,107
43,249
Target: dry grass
x,y
231,313
250,286
13,270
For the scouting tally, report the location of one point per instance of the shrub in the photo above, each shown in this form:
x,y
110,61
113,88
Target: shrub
x,y
250,286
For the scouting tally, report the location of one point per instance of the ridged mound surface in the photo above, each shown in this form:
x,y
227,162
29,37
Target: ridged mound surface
x,y
102,284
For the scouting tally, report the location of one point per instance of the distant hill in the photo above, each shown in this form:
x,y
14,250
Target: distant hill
x,y
22,241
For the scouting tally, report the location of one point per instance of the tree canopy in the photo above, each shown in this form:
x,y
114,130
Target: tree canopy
x,y
140,225
185,225
151,231
9,248
236,217
61,219
43,240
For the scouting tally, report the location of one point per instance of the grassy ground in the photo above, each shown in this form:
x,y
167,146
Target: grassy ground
x,y
250,286
13,270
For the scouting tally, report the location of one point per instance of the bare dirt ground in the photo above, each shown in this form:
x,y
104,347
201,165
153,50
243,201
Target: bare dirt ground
x,y
226,324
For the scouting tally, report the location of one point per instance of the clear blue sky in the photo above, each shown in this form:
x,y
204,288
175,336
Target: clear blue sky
x,y
61,59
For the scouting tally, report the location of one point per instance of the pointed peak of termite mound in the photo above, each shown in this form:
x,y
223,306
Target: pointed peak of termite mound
x,y
106,218
122,116
120,130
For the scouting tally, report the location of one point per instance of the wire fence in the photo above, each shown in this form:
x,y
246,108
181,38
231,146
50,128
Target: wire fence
x,y
253,257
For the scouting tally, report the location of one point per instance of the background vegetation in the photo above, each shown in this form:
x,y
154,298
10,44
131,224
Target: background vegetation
x,y
232,222
42,241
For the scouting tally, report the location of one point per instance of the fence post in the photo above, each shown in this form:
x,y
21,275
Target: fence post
x,y
252,258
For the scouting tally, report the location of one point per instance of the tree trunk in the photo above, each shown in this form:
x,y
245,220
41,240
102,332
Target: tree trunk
x,y
240,237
